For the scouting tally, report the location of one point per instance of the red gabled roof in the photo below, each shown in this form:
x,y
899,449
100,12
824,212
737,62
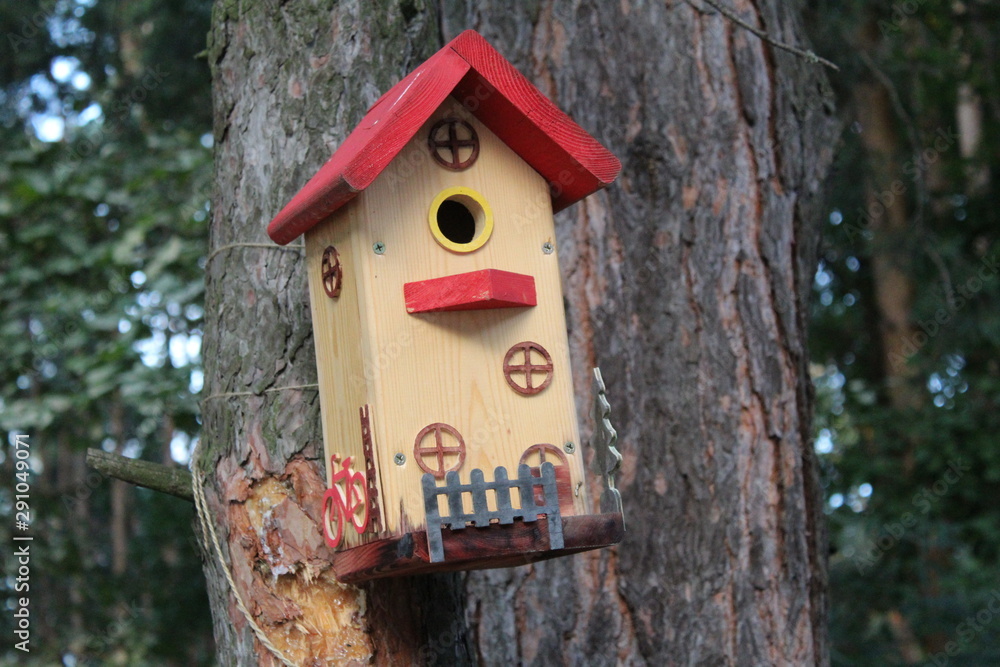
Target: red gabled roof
x,y
497,94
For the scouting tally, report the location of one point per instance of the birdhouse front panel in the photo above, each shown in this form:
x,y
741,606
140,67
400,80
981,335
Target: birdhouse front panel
x,y
452,390
447,402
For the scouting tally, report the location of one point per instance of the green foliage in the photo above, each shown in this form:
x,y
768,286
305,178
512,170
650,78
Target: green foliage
x,y
101,248
102,243
914,522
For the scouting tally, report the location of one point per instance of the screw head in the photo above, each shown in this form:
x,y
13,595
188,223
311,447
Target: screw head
x,y
548,248
379,248
399,458
569,447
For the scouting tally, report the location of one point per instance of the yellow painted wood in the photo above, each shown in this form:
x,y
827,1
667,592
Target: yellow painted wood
x,y
340,350
476,204
448,367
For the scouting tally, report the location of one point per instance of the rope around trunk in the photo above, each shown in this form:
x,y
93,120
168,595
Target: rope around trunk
x,y
208,528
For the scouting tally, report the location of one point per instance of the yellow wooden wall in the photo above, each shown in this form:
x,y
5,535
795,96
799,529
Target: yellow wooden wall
x,y
440,367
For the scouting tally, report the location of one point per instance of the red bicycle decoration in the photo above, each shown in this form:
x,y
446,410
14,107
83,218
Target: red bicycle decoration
x,y
344,504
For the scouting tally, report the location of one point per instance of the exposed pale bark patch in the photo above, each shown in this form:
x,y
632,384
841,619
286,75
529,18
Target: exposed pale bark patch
x,y
290,80
283,570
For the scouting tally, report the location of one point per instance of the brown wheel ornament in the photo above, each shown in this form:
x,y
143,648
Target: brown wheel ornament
x,y
430,449
534,359
536,455
447,139
332,272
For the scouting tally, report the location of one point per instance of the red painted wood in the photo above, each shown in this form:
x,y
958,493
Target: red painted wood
x,y
476,290
573,162
476,548
389,124
564,489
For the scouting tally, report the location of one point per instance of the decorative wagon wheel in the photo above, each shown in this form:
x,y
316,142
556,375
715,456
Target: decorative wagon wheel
x,y
431,456
445,136
536,455
332,272
527,368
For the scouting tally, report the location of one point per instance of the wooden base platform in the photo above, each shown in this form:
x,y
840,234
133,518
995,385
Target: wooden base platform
x,y
477,548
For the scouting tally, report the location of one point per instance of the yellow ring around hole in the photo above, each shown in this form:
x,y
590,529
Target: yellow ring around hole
x,y
484,227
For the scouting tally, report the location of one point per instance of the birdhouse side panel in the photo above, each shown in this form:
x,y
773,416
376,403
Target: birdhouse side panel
x,y
452,388
352,513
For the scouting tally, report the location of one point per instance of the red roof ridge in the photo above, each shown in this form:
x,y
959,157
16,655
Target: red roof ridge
x,y
571,160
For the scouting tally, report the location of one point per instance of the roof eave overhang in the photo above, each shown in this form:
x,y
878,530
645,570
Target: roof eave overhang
x,y
571,161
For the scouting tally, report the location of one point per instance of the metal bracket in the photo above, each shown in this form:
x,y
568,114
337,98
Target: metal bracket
x,y
607,458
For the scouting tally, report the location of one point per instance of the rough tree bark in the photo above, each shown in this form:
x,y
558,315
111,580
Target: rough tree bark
x,y
686,282
290,80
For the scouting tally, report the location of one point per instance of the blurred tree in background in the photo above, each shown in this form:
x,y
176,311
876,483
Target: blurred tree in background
x,y
906,329
105,120
105,170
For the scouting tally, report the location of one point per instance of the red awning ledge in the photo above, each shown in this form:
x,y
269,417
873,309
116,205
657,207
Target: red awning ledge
x,y
477,290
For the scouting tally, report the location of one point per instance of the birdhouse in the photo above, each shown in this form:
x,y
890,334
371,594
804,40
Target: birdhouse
x,y
446,395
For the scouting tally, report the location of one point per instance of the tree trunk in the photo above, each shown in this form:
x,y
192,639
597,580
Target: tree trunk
x,y
891,252
290,80
686,282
